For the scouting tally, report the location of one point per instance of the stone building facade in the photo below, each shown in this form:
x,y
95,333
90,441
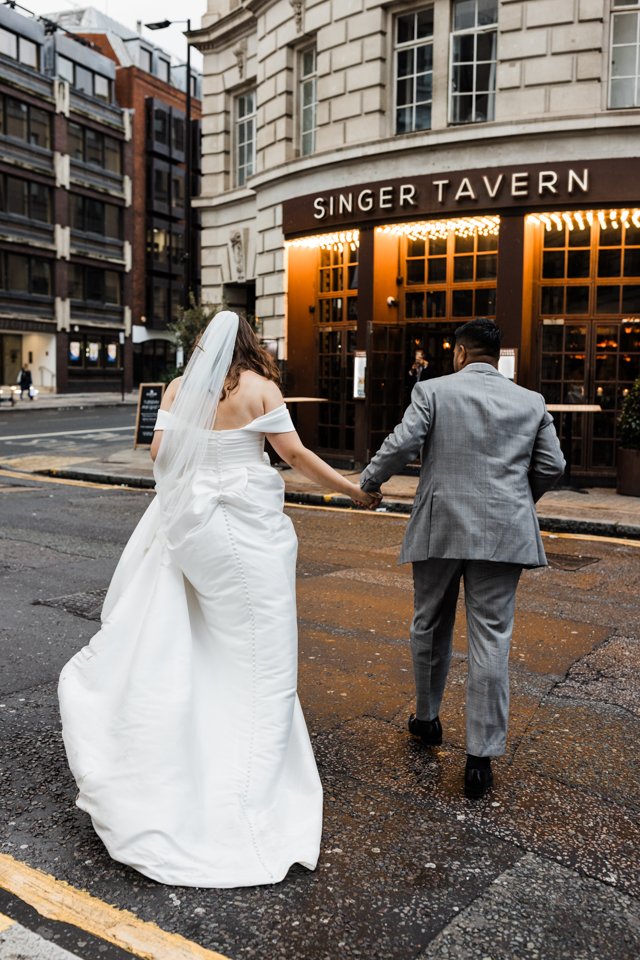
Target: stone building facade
x,y
376,173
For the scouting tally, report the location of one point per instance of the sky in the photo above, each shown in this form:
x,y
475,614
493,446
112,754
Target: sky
x,y
130,11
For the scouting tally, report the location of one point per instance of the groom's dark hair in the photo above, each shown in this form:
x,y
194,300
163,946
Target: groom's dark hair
x,y
480,336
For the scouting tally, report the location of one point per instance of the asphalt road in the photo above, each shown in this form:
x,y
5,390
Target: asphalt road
x,y
64,432
546,867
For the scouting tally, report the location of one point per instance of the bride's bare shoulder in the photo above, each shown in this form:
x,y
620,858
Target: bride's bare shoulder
x,y
265,393
170,394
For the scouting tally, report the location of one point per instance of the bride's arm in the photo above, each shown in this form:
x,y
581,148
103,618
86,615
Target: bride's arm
x,y
291,449
167,401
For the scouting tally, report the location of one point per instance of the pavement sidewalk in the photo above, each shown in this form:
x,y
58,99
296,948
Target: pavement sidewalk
x,y
69,401
597,511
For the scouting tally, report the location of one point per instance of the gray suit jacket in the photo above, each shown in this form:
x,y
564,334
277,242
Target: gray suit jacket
x,y
489,451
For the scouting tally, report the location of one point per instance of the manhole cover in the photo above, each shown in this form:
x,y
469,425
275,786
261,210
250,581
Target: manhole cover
x,y
566,561
87,604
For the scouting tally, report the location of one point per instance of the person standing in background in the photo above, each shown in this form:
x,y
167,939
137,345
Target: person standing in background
x,y
420,368
25,381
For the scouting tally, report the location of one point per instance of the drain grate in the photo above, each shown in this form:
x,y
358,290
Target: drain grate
x,y
87,604
567,561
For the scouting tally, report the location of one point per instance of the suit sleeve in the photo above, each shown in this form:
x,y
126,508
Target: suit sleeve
x,y
547,461
403,445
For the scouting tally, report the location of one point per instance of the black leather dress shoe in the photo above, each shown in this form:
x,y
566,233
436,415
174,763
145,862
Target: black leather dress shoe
x,y
477,781
429,731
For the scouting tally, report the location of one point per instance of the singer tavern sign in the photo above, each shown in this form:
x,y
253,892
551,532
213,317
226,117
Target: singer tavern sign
x,y
471,191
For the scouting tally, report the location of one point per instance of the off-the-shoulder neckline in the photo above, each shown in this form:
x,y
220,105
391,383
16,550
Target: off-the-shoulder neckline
x,y
262,416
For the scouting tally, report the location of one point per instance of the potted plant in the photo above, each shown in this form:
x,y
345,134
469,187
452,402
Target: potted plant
x,y
629,450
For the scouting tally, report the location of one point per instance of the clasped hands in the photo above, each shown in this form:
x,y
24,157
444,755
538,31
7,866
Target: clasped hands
x,y
362,498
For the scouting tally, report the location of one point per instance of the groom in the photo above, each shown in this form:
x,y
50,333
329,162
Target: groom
x,y
489,450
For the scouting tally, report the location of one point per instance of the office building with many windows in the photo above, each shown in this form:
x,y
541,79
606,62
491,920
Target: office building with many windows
x,y
153,89
65,211
376,174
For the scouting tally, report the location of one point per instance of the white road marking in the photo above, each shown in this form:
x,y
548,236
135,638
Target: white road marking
x,y
66,433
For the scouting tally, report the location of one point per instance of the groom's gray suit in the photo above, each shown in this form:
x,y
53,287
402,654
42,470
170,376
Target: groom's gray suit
x,y
489,451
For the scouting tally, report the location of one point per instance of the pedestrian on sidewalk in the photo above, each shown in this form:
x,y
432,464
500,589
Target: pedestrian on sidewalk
x,y
489,450
25,381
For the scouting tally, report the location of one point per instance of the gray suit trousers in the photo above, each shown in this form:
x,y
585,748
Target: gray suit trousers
x,y
490,594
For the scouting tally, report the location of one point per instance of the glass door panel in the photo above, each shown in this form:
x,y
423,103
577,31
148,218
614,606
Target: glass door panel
x,y
336,417
590,363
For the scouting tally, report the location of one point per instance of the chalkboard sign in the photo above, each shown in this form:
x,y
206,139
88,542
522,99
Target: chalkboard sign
x,y
149,400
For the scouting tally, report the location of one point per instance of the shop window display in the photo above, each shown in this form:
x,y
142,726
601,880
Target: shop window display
x,y
94,352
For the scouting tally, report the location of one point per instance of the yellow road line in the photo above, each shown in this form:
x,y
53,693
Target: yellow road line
x,y
57,900
619,541
5,922
328,509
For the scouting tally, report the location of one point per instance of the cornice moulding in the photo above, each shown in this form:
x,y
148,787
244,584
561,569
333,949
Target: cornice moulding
x,y
234,26
393,147
259,6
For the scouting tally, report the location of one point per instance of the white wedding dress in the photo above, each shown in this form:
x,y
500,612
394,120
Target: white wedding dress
x,y
181,721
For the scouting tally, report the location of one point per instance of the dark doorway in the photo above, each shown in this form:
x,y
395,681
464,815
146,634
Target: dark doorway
x,y
153,360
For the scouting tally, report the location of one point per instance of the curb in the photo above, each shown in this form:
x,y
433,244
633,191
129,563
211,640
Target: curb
x,y
91,476
594,528
105,405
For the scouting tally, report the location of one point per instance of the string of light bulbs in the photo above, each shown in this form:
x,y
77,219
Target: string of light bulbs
x,y
328,241
581,219
488,226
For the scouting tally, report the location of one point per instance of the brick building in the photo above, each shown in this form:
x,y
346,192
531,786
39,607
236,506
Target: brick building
x,y
376,173
65,212
153,90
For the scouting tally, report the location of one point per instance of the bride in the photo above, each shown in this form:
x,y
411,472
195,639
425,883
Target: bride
x,y
181,721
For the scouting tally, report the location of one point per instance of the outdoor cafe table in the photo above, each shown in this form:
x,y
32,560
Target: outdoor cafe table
x,y
568,410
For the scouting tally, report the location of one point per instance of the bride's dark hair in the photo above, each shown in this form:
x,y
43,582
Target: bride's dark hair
x,y
249,354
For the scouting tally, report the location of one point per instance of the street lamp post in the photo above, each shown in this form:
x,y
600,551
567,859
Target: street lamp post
x,y
188,162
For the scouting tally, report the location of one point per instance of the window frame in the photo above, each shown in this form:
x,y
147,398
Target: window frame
x,y
617,10
31,205
144,52
240,179
92,74
28,108
166,66
101,299
30,292
78,206
12,36
304,79
102,139
474,31
396,49
19,40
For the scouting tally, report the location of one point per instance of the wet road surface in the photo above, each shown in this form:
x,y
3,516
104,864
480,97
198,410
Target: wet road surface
x,y
544,867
